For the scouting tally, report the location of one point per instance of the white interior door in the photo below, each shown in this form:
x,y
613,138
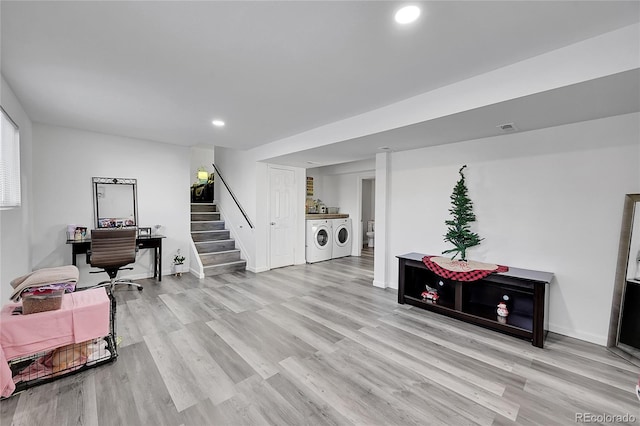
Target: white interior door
x,y
282,217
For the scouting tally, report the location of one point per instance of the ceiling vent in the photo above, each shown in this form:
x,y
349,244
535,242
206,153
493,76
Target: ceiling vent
x,y
507,127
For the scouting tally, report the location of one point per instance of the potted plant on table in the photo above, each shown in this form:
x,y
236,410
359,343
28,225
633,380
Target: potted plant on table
x,y
178,263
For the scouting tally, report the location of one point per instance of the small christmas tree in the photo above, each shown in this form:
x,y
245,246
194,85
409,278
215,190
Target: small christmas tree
x,y
459,232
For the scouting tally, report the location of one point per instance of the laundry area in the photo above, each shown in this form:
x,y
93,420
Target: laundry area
x,y
328,236
332,232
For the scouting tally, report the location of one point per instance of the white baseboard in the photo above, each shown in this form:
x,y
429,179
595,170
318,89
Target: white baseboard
x,y
197,274
577,334
379,284
257,270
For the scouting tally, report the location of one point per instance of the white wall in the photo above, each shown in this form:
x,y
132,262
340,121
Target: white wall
x,y
65,160
249,181
239,170
318,188
549,200
330,194
341,191
201,157
337,186
15,233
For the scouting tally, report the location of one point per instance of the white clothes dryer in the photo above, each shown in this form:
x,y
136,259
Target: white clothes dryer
x,y
319,242
341,238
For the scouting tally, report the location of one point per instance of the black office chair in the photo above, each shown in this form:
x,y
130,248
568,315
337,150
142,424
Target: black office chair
x,y
111,250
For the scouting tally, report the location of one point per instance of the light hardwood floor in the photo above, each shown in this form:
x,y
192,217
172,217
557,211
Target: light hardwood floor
x,y
317,344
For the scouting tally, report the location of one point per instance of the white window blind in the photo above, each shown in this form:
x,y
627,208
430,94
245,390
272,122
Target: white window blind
x,y
9,162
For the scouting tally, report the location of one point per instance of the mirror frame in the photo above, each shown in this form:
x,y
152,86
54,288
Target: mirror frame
x,y
114,181
631,202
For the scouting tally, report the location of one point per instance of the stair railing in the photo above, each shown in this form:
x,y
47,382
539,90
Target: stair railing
x,y
233,196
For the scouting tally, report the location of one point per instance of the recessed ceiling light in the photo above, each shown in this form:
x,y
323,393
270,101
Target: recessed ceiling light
x,y
407,14
218,123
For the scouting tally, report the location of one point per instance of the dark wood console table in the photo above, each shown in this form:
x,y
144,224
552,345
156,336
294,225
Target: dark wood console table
x,y
144,242
475,302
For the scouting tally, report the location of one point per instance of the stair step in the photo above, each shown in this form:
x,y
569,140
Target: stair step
x,y
221,234
203,207
207,225
215,246
223,268
205,216
217,258
216,249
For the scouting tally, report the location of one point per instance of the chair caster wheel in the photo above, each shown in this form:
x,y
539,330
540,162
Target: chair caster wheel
x,y
139,288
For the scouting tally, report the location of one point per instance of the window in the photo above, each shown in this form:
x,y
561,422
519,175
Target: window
x,y
9,162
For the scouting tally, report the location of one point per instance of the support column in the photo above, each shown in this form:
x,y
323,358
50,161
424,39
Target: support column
x,y
380,263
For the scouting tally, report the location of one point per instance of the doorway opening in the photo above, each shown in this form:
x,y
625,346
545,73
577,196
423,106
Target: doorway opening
x,y
367,218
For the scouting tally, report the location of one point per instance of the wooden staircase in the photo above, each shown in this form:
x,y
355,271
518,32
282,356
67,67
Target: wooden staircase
x,y
215,247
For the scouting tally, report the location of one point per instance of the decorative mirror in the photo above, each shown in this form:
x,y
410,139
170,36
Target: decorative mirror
x,y
624,327
115,202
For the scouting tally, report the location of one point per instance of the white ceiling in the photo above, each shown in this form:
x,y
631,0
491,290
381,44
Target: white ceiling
x,y
163,70
603,97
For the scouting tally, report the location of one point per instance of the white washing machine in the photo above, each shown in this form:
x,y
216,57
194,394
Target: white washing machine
x,y
341,238
319,243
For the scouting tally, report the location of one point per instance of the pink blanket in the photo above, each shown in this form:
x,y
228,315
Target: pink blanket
x,y
84,315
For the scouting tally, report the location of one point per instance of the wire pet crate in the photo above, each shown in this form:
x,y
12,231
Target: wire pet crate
x,y
45,366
